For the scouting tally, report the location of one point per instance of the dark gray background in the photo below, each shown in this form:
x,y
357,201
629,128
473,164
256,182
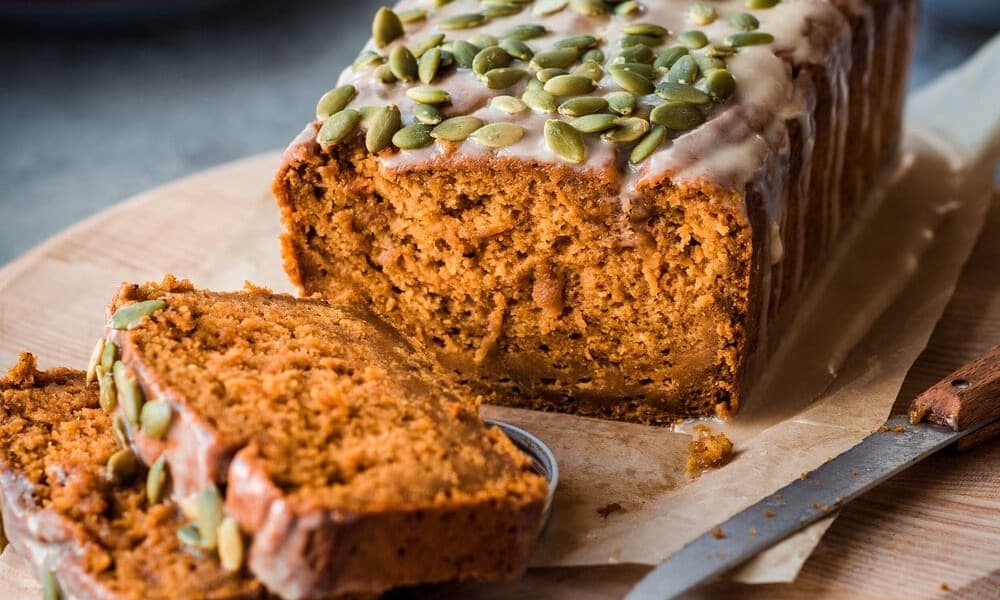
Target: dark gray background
x,y
92,115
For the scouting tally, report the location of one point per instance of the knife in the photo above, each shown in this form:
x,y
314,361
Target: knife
x,y
964,407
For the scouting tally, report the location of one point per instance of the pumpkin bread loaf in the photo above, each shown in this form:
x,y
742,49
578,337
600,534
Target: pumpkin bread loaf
x,y
351,463
82,518
606,208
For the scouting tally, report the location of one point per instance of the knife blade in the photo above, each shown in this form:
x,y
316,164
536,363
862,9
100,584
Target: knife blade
x,y
966,404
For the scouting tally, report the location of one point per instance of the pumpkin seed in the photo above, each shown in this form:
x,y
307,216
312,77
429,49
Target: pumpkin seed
x,y
403,64
622,103
209,507
580,42
338,127
230,545
127,317
707,63
129,393
558,58
682,92
590,69
156,480
679,116
594,54
509,104
569,85
426,94
492,57
703,14
761,3
643,69
386,27
645,29
335,101
549,7
693,39
464,53
428,65
188,535
384,74
483,40
95,361
50,587
633,54
648,144
627,130
667,58
589,7
503,78
749,38
565,141
367,58
108,397
643,40
413,137
456,129
412,16
384,124
630,80
539,100
120,432
584,105
517,49
594,123
546,74
427,114
501,9
685,70
630,7
123,466
421,47
109,355
463,21
155,418
498,135
719,50
744,22
719,84
525,32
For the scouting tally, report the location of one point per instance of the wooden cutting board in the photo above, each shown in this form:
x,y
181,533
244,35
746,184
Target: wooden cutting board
x,y
933,529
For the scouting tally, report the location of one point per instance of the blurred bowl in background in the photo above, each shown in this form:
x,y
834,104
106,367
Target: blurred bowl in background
x,y
88,13
981,14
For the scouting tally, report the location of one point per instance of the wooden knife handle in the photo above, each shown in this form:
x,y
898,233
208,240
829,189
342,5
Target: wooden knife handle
x,y
969,396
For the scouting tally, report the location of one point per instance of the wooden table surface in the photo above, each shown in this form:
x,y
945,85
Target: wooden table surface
x,y
932,531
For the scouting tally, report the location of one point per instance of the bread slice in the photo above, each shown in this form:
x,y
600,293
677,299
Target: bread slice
x,y
353,464
80,531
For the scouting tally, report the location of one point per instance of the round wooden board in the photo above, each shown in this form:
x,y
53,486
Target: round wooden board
x,y
933,528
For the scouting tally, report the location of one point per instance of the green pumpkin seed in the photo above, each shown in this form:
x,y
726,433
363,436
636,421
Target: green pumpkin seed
x,y
50,587
549,7
594,123
156,480
425,94
682,92
95,361
338,127
643,69
539,100
464,21
209,507
412,16
546,74
666,58
335,101
703,14
427,114
622,103
630,7
590,69
707,63
678,116
525,32
509,104
749,38
367,58
230,545
188,535
120,432
693,39
155,418
517,49
559,58
127,317
744,22
403,64
123,466
580,42
757,4
630,80
129,393
457,129
569,85
503,78
498,135
483,40
719,84
594,54
386,27
719,50
685,70
641,40
501,9
645,29
384,74
108,397
493,57
413,137
109,355
627,130
465,53
565,141
648,144
421,47
584,105
384,124
635,54
428,65
590,8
